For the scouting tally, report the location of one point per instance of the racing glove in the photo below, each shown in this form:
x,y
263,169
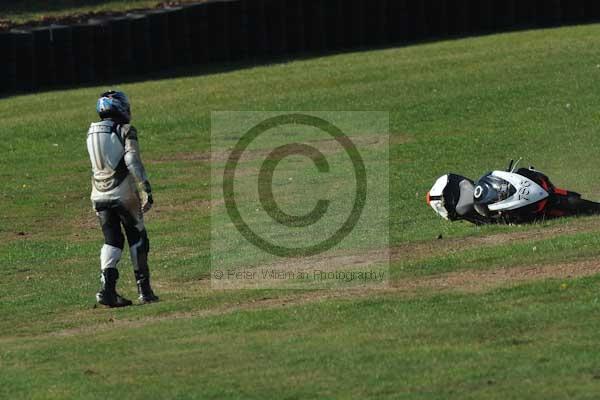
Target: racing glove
x,y
148,201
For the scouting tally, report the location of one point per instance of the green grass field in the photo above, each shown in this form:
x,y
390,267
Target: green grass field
x,y
493,312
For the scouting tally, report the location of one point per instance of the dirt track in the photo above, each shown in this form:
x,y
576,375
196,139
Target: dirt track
x,y
460,282
420,250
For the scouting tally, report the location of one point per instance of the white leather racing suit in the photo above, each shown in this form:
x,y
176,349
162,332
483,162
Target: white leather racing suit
x,y
116,163
117,170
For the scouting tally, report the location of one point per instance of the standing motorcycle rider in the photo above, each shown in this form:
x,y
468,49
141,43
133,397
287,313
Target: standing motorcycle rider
x,y
117,169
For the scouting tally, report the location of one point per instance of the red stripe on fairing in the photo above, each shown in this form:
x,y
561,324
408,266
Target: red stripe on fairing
x,y
562,192
541,205
428,199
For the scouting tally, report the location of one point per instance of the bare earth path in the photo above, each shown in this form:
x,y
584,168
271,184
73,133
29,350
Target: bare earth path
x,y
460,282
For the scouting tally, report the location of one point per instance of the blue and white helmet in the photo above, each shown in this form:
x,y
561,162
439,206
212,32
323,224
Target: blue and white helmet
x,y
115,105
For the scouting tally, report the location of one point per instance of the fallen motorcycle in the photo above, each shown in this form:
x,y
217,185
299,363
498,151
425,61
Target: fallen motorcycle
x,y
514,196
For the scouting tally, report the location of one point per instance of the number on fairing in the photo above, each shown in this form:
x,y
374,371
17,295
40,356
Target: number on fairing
x,y
527,192
524,190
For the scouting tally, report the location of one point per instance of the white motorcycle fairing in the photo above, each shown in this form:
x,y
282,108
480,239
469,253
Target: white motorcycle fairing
x,y
527,192
435,197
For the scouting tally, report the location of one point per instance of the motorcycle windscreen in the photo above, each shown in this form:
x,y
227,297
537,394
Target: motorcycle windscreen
x,y
501,191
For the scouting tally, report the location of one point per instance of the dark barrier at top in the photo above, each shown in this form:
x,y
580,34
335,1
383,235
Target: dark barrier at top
x,y
294,21
219,31
8,68
62,38
122,46
83,53
158,25
142,48
44,65
314,25
25,78
102,43
275,27
238,31
179,36
198,21
436,17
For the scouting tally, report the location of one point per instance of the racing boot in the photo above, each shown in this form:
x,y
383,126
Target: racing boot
x,y
139,256
108,295
146,294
